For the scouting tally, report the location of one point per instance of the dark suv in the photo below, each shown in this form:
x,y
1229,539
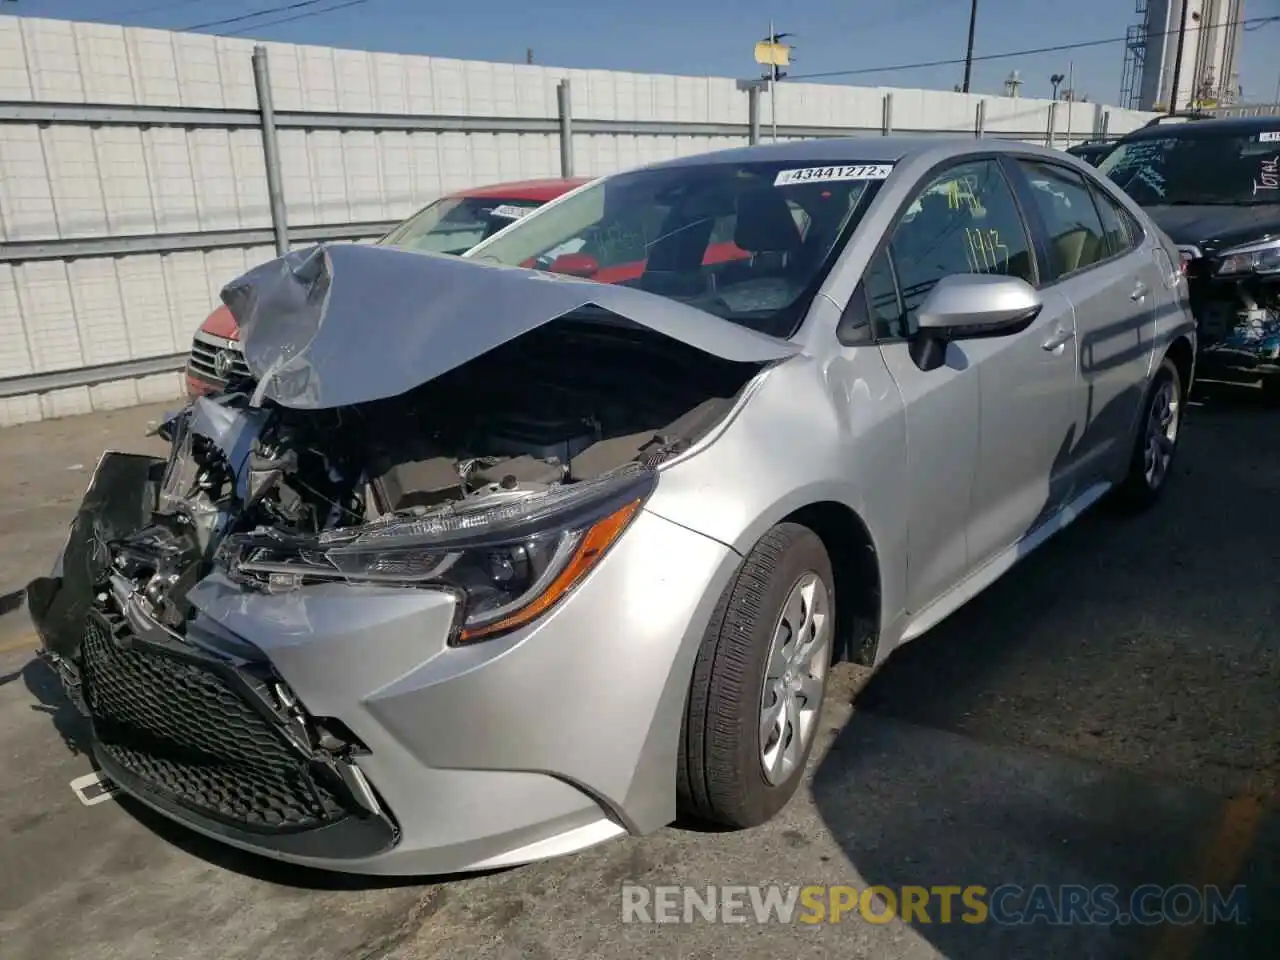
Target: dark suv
x,y
1214,187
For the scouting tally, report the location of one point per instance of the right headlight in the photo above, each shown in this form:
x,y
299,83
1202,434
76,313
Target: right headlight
x,y
1260,258
508,563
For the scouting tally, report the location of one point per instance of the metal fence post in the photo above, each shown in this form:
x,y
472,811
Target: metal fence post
x,y
980,119
565,103
270,149
753,114
1051,134
886,115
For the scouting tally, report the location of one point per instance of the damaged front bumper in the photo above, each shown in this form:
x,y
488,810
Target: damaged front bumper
x,y
336,726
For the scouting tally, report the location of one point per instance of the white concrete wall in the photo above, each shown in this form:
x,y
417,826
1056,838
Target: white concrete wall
x,y
62,182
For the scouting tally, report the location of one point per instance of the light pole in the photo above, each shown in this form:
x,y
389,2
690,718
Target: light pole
x,y
1056,79
968,54
1177,58
771,52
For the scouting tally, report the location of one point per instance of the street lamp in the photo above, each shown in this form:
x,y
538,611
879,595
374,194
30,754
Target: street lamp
x,y
1056,79
773,53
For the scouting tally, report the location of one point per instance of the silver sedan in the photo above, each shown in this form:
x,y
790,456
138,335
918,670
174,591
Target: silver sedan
x,y
492,559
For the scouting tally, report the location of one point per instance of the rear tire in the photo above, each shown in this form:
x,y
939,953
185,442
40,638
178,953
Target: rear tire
x,y
758,681
1156,443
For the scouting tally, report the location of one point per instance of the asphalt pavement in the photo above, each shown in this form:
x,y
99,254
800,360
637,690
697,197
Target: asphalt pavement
x,y
1107,714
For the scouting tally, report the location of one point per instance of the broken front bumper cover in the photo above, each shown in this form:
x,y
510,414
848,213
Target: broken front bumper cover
x,y
228,766
536,743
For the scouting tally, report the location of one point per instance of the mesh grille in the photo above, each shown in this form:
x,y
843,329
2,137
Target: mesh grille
x,y
188,735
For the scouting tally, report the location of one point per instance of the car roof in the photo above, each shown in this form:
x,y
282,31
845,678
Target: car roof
x,y
865,149
540,191
1208,129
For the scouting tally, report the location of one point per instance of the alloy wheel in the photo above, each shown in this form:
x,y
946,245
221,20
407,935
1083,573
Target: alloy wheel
x,y
795,676
1161,436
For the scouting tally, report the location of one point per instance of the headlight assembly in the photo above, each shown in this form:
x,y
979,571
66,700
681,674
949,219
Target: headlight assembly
x,y
1253,258
507,563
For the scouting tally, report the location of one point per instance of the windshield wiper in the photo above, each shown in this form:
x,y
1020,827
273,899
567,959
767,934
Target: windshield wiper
x,y
1199,202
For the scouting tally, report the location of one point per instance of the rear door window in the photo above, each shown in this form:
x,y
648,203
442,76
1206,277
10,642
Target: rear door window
x,y
1075,236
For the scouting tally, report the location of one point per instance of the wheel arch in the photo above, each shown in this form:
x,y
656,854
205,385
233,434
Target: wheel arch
x,y
855,565
1183,355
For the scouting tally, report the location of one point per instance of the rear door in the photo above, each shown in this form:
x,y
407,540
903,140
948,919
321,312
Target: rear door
x,y
1091,255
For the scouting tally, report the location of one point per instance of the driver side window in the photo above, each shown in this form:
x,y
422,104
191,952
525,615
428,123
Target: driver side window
x,y
965,220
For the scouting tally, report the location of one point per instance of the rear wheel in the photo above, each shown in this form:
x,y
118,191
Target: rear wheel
x,y
758,683
1157,441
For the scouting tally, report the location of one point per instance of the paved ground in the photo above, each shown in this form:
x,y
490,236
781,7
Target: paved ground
x,y
1107,714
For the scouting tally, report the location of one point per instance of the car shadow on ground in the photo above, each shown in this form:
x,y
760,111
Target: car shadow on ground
x,y
1085,719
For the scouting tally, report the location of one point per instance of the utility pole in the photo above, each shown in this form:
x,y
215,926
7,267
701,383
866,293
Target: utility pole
x,y
773,86
1177,57
773,53
968,54
1071,96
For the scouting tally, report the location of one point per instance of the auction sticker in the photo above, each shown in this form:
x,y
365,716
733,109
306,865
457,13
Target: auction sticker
x,y
93,788
860,171
509,211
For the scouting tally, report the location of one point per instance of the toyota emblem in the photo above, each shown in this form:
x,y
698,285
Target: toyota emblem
x,y
223,362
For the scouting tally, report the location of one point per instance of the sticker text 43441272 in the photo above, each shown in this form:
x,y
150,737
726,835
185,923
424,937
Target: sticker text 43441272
x,y
857,171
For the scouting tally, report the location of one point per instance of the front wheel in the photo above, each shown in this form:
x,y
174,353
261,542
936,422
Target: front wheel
x,y
758,683
1157,441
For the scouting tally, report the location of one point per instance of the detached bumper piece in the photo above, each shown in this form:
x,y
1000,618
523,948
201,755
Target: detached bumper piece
x,y
197,738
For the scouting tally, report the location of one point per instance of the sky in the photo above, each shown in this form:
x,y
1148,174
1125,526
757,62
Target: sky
x,y
701,38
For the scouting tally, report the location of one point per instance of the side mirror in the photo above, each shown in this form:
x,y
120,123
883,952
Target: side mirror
x,y
575,265
967,306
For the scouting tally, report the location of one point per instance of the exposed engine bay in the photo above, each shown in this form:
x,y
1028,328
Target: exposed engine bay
x,y
563,404
1238,324
448,484
1227,311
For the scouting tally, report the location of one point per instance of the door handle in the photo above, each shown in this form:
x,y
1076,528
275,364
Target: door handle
x,y
1139,292
1060,337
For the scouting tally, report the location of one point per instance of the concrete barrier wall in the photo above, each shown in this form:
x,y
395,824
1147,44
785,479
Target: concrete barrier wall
x,y
107,177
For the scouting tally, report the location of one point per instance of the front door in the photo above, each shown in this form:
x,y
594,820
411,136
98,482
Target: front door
x,y
1026,383
990,425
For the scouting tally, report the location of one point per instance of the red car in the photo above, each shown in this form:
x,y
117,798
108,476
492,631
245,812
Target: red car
x,y
453,224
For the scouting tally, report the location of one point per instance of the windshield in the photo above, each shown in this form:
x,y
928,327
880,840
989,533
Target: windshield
x,y
1198,169
749,242
456,224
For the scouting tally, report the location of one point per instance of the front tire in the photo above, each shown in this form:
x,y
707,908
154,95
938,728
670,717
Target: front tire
x,y
1156,443
758,682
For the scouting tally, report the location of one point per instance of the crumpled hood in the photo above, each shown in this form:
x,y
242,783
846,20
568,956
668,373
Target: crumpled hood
x,y
1217,227
340,324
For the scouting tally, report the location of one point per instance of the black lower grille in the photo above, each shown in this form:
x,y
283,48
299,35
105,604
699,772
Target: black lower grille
x,y
186,733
